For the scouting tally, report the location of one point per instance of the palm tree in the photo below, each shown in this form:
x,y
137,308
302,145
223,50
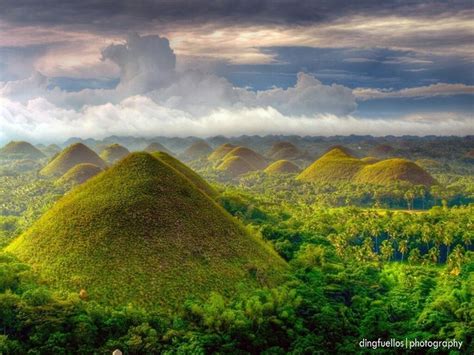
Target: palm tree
x,y
433,254
387,250
403,247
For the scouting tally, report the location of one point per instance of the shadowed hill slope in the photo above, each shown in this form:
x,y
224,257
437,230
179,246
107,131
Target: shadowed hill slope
x,y
284,150
20,150
255,160
221,151
141,233
157,147
194,177
79,174
392,170
282,167
198,149
235,166
71,156
113,153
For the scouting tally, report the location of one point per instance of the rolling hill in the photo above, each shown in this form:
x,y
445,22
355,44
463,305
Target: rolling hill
x,y
75,154
235,166
113,153
141,233
220,152
334,166
284,150
79,174
198,149
282,167
389,171
20,150
256,161
157,147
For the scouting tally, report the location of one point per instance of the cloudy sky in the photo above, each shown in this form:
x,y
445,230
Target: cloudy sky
x,y
95,68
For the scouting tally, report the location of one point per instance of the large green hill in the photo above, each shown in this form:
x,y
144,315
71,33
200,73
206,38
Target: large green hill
x,y
71,156
282,167
20,150
142,233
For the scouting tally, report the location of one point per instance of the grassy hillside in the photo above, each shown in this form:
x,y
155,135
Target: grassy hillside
x,y
221,151
256,160
79,174
235,166
71,156
194,177
198,149
282,167
142,233
335,165
20,150
284,150
392,170
113,153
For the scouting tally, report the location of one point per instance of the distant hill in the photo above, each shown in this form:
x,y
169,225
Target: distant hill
x,y
334,166
79,174
194,177
157,147
282,167
17,150
221,151
392,170
113,153
75,154
370,160
235,166
382,150
198,149
51,150
284,150
255,160
141,233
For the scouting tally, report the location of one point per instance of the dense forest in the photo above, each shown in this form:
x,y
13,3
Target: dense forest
x,y
366,261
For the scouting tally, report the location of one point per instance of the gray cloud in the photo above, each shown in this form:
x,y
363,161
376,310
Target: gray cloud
x,y
438,89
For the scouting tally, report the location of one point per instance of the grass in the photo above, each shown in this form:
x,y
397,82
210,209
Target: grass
x,y
282,167
113,153
79,174
256,160
142,233
221,151
235,166
20,150
71,156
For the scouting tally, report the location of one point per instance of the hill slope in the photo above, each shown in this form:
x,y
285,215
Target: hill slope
x,y
284,150
79,174
393,170
197,150
71,156
114,152
282,167
235,166
141,233
257,161
194,177
336,165
221,151
157,147
20,150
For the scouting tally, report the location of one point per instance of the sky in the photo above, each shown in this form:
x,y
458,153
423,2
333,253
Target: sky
x,y
96,68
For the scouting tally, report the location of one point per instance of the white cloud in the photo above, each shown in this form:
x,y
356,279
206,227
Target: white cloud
x,y
439,89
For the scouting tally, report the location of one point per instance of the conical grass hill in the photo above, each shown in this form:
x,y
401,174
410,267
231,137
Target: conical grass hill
x,y
336,165
141,233
389,171
16,150
284,150
282,167
113,153
220,152
255,160
79,174
157,147
197,150
235,166
194,177
71,156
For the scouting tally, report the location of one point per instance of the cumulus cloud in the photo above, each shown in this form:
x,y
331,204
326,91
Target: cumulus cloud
x,y
39,120
439,89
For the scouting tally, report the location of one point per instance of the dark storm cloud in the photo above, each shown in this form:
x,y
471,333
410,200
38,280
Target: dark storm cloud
x,y
116,15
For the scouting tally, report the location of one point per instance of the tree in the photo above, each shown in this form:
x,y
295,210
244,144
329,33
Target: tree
x,y
387,250
403,247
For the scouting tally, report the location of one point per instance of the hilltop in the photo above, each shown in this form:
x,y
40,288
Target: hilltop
x,y
113,153
157,147
20,150
256,161
284,150
336,165
282,167
75,154
141,233
221,151
79,174
198,149
392,170
51,150
235,166
194,177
